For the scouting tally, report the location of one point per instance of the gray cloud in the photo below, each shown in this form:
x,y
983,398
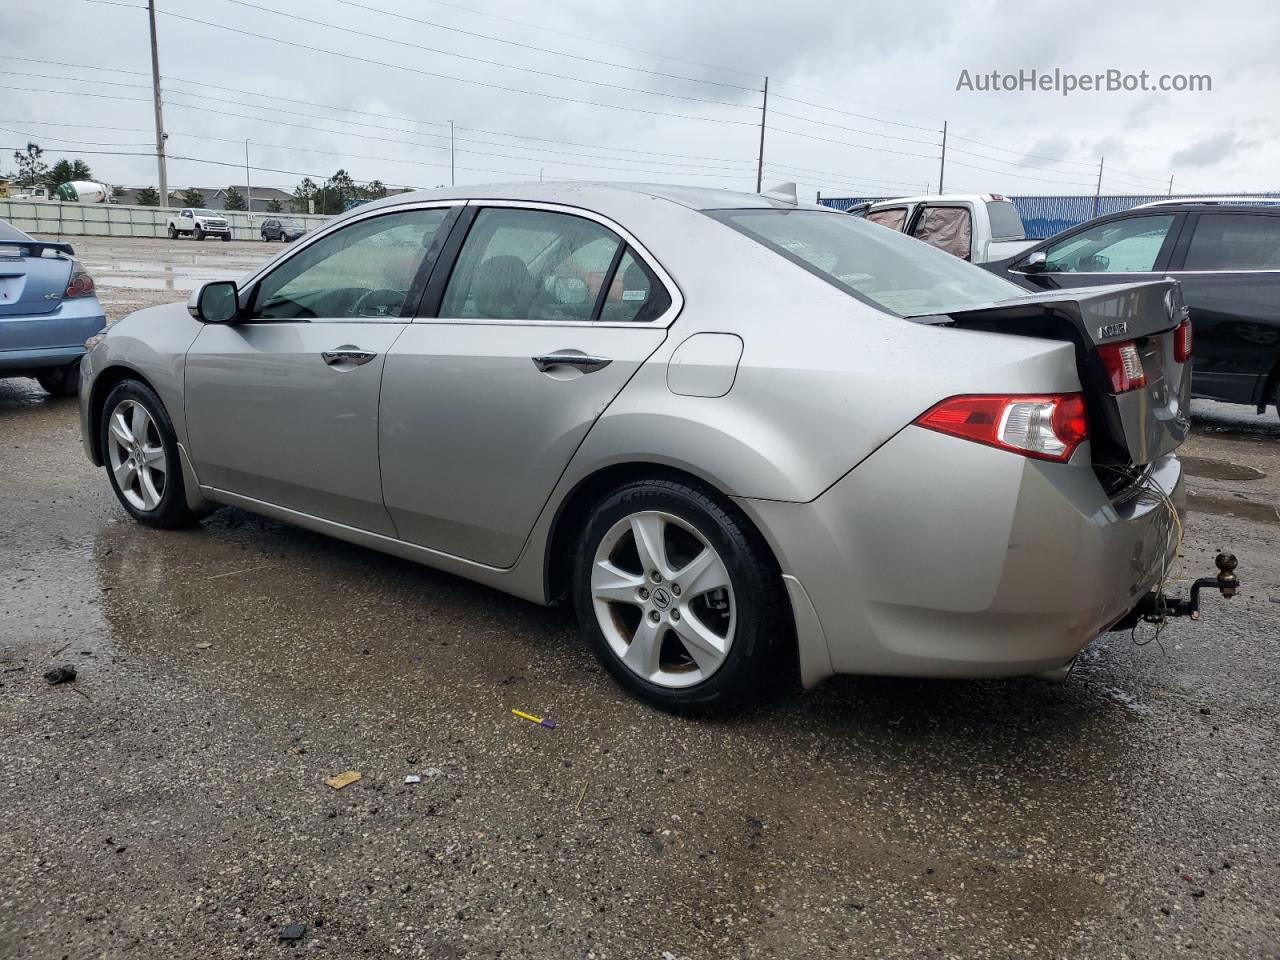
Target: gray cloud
x,y
1210,150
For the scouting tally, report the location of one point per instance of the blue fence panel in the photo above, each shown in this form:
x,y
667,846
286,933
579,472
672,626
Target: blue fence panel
x,y
1046,215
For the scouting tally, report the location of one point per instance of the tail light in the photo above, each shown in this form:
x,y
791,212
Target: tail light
x,y
1182,341
80,284
1124,366
1047,427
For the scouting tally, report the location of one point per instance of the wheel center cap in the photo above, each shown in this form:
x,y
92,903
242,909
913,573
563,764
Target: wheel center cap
x,y
661,598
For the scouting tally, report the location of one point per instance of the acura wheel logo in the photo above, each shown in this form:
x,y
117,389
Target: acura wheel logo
x,y
661,598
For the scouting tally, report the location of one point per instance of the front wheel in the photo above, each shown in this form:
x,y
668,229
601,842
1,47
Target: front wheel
x,y
140,450
679,598
61,381
265,238
199,232
226,238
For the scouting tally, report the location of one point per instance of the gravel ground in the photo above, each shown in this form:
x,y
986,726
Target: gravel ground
x,y
171,803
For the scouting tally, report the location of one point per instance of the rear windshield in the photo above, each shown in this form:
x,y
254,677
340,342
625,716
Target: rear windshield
x,y
11,234
887,269
1006,224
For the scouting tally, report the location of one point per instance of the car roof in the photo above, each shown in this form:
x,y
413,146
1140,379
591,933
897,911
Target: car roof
x,y
601,196
1194,207
1214,202
938,198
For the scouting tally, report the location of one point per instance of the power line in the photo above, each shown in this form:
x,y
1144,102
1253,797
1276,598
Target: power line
x,y
530,46
841,98
1076,163
846,143
860,116
325,106
868,133
484,60
1022,176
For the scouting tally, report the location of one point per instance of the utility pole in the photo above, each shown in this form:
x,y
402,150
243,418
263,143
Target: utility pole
x,y
942,168
1097,193
1171,184
764,113
155,91
248,190
452,180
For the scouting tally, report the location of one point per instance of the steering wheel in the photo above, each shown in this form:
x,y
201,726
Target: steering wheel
x,y
379,303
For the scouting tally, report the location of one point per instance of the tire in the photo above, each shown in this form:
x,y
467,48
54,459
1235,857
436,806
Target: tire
x,y
265,238
199,232
173,234
226,238
169,509
61,381
747,621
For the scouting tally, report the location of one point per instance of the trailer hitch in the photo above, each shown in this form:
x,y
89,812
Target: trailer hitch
x,y
1157,608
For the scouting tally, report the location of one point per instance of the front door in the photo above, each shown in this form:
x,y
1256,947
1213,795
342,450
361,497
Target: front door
x,y
1124,250
545,317
282,407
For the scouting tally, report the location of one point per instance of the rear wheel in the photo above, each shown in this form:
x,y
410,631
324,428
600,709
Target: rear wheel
x,y
61,381
173,234
140,450
678,598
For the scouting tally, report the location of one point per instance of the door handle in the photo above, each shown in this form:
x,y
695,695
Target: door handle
x,y
345,355
584,363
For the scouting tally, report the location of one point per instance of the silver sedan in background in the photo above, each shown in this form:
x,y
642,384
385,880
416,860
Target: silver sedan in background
x,y
740,434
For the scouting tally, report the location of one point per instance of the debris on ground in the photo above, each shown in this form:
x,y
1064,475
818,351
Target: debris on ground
x,y
1100,879
344,779
549,724
204,646
294,931
57,675
413,778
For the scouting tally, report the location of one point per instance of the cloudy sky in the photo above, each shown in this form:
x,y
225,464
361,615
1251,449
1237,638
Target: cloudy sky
x,y
651,90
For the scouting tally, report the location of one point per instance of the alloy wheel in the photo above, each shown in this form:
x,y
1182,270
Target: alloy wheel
x,y
136,455
663,598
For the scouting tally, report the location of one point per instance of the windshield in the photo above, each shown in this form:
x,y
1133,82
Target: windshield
x,y
887,269
11,234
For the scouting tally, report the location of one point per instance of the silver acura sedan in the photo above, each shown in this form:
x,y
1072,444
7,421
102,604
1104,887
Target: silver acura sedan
x,y
740,434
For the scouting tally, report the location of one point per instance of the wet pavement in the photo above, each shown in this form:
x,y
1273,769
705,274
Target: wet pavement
x,y
171,803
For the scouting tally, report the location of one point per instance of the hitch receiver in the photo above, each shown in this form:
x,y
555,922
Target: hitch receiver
x,y
1157,608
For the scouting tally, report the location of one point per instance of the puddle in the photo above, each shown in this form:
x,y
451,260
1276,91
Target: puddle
x,y
1218,469
1233,507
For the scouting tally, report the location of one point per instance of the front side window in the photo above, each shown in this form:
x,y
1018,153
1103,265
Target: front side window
x,y
530,265
361,272
892,217
1121,246
947,228
1235,241
887,269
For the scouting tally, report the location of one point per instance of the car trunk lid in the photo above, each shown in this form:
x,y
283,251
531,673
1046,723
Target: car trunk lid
x,y
31,284
1131,427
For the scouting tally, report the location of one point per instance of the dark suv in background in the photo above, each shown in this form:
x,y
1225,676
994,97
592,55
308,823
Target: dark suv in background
x,y
281,228
1227,256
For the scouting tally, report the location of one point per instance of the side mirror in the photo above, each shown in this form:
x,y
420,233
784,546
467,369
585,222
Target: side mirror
x,y
214,302
1036,262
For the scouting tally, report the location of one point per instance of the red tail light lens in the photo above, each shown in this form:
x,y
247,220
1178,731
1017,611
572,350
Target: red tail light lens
x,y
80,284
1124,366
1182,341
1047,427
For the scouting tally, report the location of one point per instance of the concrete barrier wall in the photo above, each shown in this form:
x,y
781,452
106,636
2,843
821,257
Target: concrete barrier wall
x,y
55,218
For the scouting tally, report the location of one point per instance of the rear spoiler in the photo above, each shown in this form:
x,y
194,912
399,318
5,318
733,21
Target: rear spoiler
x,y
36,248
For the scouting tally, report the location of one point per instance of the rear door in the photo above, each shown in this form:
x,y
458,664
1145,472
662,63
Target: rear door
x,y
1229,265
546,314
947,226
283,406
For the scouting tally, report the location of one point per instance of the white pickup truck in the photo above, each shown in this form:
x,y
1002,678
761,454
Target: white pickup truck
x,y
198,223
974,227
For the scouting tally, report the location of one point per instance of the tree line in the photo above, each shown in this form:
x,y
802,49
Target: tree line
x,y
335,195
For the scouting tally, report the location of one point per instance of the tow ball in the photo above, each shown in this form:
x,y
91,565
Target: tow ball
x,y
1157,608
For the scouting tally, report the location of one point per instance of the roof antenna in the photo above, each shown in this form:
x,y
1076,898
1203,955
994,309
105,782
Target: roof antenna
x,y
785,192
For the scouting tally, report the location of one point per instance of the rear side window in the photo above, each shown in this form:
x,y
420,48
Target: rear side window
x,y
1234,241
947,228
1006,222
530,265
893,217
634,294
886,269
1121,246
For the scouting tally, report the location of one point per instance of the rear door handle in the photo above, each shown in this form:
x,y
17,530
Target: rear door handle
x,y
347,356
584,363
